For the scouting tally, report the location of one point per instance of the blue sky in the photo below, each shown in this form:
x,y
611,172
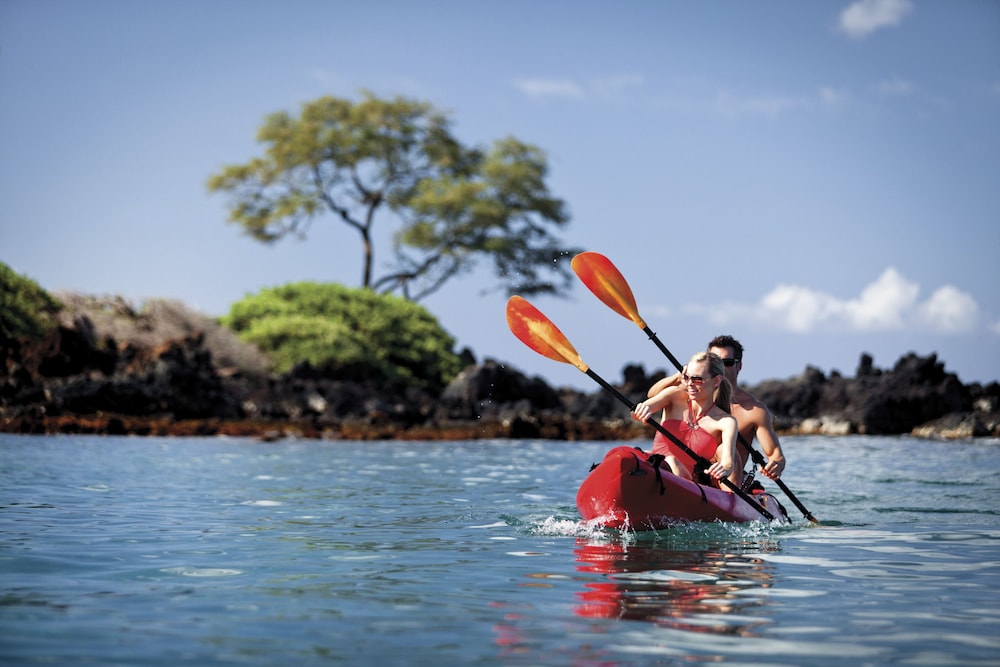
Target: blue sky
x,y
817,178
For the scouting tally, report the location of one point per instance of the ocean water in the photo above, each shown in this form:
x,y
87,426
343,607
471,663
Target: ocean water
x,y
214,551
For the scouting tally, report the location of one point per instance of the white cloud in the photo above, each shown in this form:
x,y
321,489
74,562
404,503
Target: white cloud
x,y
799,308
863,17
608,88
883,304
772,105
549,88
949,310
890,303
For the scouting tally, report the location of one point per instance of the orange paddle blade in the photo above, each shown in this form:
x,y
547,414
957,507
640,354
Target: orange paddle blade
x,y
537,332
608,284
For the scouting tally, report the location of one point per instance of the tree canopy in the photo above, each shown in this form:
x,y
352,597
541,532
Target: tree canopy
x,y
453,204
353,333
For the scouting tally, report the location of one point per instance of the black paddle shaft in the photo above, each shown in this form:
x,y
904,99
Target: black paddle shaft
x,y
663,348
700,460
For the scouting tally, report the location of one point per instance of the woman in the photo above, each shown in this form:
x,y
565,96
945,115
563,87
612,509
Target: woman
x,y
697,412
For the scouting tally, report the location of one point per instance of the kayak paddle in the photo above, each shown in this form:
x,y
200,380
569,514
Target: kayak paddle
x,y
538,332
607,283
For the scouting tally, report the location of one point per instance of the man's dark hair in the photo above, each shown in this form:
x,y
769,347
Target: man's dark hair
x,y
726,340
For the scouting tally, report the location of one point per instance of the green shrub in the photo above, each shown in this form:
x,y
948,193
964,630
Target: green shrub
x,y
26,309
355,333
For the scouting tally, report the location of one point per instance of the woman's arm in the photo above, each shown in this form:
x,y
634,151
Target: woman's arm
x,y
726,451
646,409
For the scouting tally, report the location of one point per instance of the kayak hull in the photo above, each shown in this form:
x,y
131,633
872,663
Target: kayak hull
x,y
626,491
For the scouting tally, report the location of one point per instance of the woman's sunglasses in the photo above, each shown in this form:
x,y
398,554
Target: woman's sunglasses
x,y
693,379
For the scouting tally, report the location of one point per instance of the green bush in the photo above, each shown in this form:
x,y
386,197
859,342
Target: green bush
x,y
355,333
26,309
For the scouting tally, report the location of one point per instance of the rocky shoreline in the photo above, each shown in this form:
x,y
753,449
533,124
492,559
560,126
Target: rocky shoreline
x,y
105,370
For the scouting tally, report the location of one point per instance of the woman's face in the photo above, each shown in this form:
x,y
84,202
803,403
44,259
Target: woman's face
x,y
699,380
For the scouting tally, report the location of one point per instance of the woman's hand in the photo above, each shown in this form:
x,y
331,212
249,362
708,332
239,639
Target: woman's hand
x,y
718,470
641,412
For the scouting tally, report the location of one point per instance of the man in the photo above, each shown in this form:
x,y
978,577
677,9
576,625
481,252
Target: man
x,y
753,417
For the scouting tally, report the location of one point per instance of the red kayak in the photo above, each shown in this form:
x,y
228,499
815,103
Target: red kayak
x,y
626,490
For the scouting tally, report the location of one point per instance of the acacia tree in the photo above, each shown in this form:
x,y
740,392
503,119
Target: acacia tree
x,y
454,204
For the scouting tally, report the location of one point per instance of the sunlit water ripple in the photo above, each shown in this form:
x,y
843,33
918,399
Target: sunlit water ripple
x,y
220,551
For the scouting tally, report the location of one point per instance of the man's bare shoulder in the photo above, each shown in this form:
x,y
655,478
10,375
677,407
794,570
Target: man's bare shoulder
x,y
748,402
748,408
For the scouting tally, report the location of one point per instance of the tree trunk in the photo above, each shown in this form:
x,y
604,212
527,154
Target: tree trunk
x,y
366,275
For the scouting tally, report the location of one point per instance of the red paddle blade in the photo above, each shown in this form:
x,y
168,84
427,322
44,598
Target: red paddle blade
x,y
608,284
536,331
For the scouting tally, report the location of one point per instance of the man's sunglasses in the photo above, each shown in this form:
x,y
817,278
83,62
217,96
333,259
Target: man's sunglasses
x,y
730,362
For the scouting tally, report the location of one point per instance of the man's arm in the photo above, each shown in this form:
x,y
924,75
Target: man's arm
x,y
768,440
660,385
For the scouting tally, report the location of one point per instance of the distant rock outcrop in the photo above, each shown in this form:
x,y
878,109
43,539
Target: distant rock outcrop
x,y
168,370
910,398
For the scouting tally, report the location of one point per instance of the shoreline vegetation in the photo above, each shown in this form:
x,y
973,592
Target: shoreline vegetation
x,y
106,368
166,370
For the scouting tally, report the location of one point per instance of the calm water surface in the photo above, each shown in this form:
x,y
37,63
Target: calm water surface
x,y
148,551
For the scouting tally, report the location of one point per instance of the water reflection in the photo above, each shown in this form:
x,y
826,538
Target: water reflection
x,y
685,587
